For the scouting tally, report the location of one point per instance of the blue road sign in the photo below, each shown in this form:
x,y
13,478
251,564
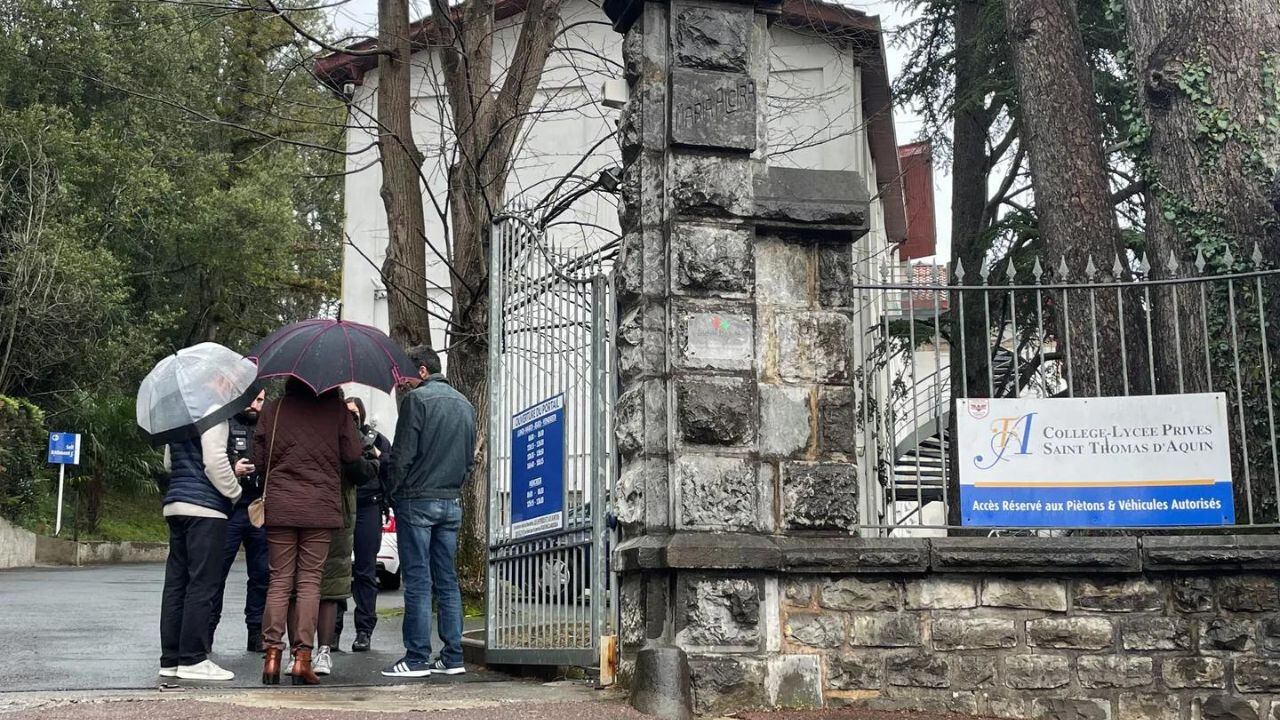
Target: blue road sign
x,y
537,468
64,448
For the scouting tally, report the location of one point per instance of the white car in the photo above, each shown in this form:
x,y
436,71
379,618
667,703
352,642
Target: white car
x,y
389,556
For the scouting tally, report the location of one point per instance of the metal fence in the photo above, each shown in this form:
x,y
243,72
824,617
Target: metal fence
x,y
1021,328
550,336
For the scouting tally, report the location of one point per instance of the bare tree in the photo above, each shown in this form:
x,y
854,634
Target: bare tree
x,y
406,257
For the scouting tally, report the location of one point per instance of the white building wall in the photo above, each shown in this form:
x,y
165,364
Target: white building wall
x,y
817,122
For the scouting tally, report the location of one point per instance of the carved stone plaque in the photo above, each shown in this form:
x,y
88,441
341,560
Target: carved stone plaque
x,y
713,109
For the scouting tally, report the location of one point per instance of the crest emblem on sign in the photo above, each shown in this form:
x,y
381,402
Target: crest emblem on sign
x,y
979,408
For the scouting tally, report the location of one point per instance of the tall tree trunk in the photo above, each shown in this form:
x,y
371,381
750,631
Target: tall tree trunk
x,y
969,168
1062,133
1197,64
469,360
1208,75
405,266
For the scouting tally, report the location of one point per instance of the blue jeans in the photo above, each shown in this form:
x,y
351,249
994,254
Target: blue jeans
x,y
427,537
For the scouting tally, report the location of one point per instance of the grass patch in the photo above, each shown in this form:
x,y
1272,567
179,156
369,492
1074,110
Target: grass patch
x,y
472,607
138,519
126,516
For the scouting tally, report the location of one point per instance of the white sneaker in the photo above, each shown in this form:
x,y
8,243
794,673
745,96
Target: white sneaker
x,y
169,671
322,663
207,670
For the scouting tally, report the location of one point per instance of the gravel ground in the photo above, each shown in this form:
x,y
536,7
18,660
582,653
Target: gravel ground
x,y
509,700
197,710
852,714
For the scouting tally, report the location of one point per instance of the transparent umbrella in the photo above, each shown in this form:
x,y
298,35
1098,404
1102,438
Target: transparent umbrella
x,y
193,390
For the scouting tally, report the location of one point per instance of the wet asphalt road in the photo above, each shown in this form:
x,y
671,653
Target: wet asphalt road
x,y
98,628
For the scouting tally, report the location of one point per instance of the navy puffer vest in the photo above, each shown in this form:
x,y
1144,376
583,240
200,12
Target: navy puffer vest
x,y
187,481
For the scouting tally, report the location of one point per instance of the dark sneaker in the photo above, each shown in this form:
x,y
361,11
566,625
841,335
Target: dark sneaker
x,y
363,642
407,669
439,668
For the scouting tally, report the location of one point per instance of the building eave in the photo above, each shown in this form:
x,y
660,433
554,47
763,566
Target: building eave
x,y
877,109
338,69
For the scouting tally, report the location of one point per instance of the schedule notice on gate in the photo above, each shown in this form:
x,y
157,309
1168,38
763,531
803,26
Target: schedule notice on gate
x,y
537,468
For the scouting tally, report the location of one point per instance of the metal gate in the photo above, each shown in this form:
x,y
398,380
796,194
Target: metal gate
x,y
551,463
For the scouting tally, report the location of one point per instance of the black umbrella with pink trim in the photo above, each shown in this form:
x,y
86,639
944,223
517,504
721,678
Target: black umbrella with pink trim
x,y
326,354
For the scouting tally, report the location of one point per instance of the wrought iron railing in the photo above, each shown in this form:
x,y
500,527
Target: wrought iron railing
x,y
1018,329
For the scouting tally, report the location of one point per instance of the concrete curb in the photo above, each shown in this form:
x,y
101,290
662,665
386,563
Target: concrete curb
x,y
21,548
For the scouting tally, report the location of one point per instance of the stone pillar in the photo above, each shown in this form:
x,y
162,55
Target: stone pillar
x,y
735,414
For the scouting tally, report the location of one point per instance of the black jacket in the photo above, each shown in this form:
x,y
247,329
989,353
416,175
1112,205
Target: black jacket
x,y
240,446
373,493
435,443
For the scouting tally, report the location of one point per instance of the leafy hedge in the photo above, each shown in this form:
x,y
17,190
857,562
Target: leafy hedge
x,y
23,441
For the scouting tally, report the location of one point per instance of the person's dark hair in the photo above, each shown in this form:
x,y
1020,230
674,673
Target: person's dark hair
x,y
359,408
294,386
423,356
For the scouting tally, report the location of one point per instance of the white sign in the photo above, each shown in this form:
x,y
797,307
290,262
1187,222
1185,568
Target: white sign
x,y
1095,462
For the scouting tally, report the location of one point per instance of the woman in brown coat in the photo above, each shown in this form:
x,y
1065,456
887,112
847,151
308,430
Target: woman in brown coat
x,y
301,444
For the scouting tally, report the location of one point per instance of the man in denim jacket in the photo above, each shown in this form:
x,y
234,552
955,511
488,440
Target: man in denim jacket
x,y
431,458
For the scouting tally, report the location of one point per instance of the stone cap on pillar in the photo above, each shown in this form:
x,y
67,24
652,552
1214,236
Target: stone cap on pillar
x,y
824,205
624,13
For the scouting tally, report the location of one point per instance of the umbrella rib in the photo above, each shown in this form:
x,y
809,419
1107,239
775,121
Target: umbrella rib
x,y
304,349
292,372
395,366
286,333
351,360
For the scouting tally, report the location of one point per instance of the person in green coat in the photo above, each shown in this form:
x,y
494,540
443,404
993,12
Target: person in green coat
x,y
335,586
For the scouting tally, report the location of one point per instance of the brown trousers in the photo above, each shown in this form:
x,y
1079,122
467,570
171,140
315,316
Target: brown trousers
x,y
295,557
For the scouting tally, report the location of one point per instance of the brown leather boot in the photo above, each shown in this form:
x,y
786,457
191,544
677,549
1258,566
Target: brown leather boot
x,y
302,674
271,667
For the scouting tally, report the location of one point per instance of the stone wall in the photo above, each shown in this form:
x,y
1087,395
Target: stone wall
x,y
21,548
1057,628
737,435
17,546
1148,647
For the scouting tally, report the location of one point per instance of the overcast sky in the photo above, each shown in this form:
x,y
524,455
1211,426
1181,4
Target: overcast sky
x,y
360,16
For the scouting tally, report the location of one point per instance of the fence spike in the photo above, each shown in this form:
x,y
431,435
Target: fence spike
x,y
984,271
1013,270
1062,270
1200,263
1117,270
1172,264
1257,256
1230,259
1036,270
1144,265
959,271
1090,269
